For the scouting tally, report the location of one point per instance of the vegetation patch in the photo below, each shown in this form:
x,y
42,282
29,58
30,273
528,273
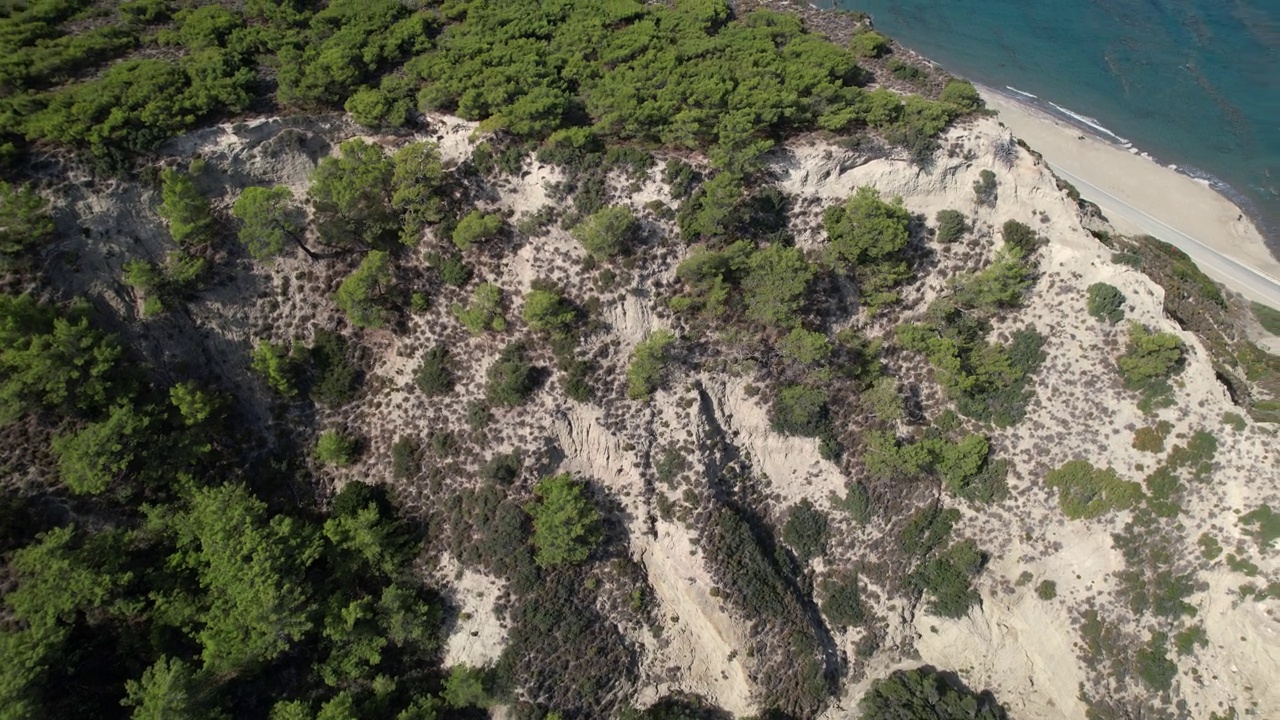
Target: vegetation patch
x,y
1086,492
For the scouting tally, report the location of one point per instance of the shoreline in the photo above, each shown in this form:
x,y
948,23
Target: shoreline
x,y
1138,194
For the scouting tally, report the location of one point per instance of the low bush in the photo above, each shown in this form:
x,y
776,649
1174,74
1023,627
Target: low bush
x,y
1086,492
842,601
334,448
434,375
805,531
1106,302
985,189
952,225
512,378
648,365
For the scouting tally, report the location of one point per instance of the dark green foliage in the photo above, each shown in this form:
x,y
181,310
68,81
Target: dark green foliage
x,y
925,694
24,221
998,287
800,410
1047,590
434,376
334,377
503,468
680,177
350,195
806,346
648,365
566,526
362,295
1019,235
904,70
948,578
1268,317
1150,359
711,278
952,225
805,531
1106,302
465,687
405,461
962,94
856,502
92,458
1086,492
267,219
609,232
842,601
453,271
512,379
1153,665
867,238
985,188
546,310
276,364
1263,524
775,285
927,529
1151,582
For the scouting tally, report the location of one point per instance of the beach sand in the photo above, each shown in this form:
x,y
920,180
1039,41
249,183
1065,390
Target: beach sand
x,y
1138,195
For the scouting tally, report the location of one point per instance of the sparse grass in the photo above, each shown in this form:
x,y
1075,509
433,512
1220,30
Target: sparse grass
x,y
1268,317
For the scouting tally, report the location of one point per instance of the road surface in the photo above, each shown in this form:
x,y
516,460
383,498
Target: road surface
x,y
1253,283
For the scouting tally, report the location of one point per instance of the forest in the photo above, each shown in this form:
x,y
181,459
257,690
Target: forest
x,y
184,540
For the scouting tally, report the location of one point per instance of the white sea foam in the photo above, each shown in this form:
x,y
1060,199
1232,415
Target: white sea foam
x,y
1023,93
1091,122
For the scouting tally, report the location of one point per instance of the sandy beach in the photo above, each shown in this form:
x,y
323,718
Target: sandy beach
x,y
1138,195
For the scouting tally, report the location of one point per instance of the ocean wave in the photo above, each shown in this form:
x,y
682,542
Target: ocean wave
x,y
1091,122
1023,93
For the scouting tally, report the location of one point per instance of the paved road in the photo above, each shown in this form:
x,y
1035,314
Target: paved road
x,y
1252,282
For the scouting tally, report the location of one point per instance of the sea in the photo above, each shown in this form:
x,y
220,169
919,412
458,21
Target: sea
x,y
1193,83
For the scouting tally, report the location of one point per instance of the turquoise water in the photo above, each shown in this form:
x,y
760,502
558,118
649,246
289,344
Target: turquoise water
x,y
1194,83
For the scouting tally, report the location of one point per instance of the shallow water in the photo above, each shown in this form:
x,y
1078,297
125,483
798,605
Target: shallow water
x,y
1194,83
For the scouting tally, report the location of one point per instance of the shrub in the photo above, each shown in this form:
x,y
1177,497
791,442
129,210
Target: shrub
x,y
512,379
453,271
465,687
800,410
1047,590
24,219
1106,302
842,601
404,458
1019,235
418,188
484,312
566,526
434,376
476,227
869,44
904,70
503,468
806,346
868,238
962,94
274,362
1153,665
334,378
884,400
609,232
952,225
648,365
984,188
1086,492
805,531
775,285
333,448
188,211
856,502
948,578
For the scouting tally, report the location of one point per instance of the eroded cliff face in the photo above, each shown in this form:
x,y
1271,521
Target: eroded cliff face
x,y
674,473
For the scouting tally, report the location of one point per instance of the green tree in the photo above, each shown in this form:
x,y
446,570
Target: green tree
x,y
512,379
434,375
884,399
351,196
775,286
608,232
805,531
275,363
102,454
465,687
869,44
806,346
800,410
24,220
566,526
418,188
545,310
648,365
334,448
477,227
1106,302
362,294
712,212
187,210
962,94
926,694
67,574
252,566
194,405
484,312
268,218
169,690
1150,356
952,226
867,238
1019,235
842,601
